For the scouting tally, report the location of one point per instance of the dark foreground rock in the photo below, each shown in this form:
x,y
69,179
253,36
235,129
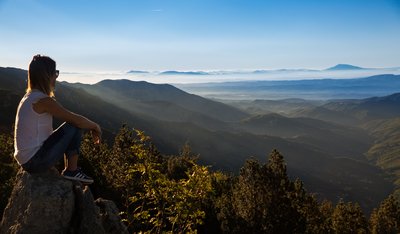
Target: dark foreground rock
x,y
48,203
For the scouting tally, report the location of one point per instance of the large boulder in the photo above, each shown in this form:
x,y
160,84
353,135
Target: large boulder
x,y
48,203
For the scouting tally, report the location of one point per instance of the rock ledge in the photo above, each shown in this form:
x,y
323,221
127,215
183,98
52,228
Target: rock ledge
x,y
48,203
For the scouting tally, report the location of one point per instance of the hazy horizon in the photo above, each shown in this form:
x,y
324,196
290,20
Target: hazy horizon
x,y
223,76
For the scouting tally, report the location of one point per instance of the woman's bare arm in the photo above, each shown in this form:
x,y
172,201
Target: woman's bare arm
x,y
52,107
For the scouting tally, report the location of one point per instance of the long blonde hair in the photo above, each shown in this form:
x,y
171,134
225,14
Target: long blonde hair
x,y
41,69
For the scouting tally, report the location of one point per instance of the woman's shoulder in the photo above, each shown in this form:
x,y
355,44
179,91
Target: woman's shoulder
x,y
34,97
42,103
36,93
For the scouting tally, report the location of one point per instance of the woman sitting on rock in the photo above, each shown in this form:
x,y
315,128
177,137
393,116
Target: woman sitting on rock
x,y
37,146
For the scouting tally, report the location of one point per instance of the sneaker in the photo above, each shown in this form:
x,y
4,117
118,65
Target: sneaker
x,y
77,175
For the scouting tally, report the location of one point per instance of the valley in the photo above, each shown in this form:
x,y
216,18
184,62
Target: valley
x,y
340,148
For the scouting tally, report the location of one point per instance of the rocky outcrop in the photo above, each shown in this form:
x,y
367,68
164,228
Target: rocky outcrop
x,y
48,203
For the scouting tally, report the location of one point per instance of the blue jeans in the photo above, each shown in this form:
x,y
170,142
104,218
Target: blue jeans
x,y
66,139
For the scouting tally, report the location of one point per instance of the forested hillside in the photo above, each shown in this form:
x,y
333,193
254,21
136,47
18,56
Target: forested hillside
x,y
328,157
385,152
159,193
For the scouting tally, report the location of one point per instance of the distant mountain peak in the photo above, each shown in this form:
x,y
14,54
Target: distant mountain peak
x,y
344,67
183,73
137,72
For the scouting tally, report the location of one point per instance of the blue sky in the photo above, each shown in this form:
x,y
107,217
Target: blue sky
x,y
200,34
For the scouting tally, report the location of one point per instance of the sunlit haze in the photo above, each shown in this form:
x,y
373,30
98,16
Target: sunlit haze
x,y
94,40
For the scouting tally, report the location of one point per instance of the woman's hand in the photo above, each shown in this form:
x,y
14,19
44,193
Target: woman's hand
x,y
96,134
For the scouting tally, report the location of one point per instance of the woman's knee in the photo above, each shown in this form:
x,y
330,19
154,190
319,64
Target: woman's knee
x,y
71,128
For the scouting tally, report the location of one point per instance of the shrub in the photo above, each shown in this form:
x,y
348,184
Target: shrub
x,y
8,170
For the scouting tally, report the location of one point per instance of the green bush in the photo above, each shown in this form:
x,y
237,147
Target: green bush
x,y
8,170
174,194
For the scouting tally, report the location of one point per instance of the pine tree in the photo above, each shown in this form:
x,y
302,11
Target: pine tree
x,y
349,218
386,219
264,200
326,210
312,214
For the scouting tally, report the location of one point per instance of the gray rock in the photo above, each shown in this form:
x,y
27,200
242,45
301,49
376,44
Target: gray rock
x,y
109,214
88,214
41,203
48,203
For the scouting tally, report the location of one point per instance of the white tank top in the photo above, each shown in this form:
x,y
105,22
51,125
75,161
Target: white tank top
x,y
31,128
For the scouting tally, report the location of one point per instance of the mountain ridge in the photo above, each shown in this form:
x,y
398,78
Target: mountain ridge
x,y
309,89
183,73
126,93
337,67
224,149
